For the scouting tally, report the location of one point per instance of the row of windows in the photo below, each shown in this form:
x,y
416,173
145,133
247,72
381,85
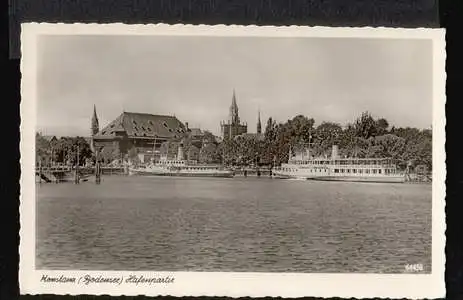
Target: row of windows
x,y
365,171
343,163
172,162
315,170
202,169
348,171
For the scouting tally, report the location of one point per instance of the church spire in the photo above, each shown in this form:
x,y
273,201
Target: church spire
x,y
95,127
234,117
259,125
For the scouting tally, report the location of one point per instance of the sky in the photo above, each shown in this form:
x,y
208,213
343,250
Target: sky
x,y
193,78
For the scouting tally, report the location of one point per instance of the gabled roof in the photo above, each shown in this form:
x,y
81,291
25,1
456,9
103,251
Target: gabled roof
x,y
139,125
258,136
49,138
196,132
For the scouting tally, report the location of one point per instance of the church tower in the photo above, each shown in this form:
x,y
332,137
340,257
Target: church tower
x,y
259,125
95,127
234,116
233,126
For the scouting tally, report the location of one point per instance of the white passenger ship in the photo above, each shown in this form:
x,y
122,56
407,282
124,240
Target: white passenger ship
x,y
180,167
340,169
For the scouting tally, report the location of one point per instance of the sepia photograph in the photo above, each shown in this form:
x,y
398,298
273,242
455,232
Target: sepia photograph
x,y
248,152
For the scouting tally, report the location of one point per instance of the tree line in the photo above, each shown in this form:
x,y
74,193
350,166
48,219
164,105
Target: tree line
x,y
63,150
366,137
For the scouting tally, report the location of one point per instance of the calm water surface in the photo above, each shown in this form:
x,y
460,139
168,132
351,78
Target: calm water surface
x,y
236,224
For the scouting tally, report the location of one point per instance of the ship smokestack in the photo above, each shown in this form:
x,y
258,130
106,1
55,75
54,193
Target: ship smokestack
x,y
180,151
334,152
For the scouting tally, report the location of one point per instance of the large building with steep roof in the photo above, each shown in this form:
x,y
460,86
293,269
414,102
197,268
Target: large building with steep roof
x,y
144,133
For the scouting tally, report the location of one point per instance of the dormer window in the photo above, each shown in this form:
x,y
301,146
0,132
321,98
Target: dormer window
x,y
165,124
150,122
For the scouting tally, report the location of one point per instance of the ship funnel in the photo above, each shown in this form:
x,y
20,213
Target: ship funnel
x,y
334,152
180,151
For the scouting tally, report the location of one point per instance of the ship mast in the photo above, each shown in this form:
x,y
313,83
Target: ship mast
x,y
154,148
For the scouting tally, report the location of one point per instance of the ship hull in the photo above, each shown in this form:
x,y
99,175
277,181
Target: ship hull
x,y
373,179
376,179
181,174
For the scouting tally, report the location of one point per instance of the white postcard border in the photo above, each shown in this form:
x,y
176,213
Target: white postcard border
x,y
222,283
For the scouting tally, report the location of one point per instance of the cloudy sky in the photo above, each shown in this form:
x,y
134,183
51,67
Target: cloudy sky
x,y
193,78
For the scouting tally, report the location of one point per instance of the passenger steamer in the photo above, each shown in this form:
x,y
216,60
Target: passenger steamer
x,y
180,167
340,169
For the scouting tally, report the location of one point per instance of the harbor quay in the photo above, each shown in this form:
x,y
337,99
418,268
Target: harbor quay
x,y
59,174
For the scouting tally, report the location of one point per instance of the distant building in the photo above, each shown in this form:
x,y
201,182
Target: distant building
x,y
258,135
51,139
135,133
233,127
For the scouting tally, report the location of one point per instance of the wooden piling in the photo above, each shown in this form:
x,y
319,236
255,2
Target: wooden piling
x,y
76,176
40,171
97,173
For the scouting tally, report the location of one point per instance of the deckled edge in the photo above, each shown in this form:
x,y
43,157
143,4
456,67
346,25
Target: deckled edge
x,y
24,107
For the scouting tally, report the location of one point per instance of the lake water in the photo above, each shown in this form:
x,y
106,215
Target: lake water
x,y
235,224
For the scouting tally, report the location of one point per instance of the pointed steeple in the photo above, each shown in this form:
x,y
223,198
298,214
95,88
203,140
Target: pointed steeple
x,y
234,117
95,127
259,124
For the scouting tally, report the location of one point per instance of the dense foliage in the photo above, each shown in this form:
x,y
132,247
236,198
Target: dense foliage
x,y
62,151
365,138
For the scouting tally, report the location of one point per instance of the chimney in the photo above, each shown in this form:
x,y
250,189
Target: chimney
x,y
186,126
334,152
180,151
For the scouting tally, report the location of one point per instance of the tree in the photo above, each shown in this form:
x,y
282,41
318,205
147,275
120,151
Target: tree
x,y
365,126
382,125
133,155
66,148
386,146
327,134
207,153
42,149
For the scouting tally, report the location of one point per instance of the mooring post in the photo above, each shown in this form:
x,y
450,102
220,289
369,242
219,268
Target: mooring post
x,y
97,173
97,168
40,171
76,178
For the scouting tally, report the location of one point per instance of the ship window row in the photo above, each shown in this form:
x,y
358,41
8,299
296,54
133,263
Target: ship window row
x,y
314,170
365,171
172,162
199,169
344,162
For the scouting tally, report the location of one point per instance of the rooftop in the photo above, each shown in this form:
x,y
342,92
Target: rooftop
x,y
140,125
